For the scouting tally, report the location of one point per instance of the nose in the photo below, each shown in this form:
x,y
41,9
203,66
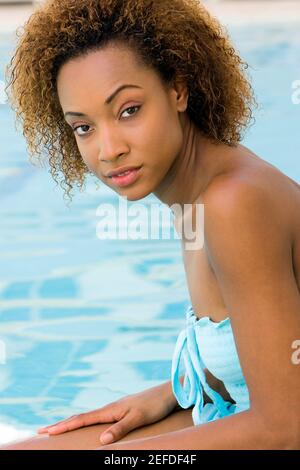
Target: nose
x,y
112,147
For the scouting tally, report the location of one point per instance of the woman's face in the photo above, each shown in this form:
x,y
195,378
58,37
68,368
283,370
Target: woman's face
x,y
139,126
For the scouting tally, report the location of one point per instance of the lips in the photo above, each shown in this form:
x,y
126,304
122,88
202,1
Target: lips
x,y
126,178
121,171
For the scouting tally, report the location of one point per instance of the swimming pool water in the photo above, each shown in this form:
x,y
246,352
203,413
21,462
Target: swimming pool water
x,y
85,321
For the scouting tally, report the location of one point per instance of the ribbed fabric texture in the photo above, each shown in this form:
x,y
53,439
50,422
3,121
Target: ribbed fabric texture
x,y
205,344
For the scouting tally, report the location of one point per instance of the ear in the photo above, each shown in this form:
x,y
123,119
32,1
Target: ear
x,y
181,94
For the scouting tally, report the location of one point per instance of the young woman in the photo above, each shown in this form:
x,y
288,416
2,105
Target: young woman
x,y
155,88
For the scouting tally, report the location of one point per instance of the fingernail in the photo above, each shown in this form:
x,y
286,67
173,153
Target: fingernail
x,y
106,438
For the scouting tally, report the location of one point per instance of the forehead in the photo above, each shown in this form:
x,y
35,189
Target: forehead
x,y
98,72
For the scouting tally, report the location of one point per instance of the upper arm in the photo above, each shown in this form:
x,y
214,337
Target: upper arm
x,y
250,252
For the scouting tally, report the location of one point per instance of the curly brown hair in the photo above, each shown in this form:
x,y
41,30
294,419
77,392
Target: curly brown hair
x,y
178,38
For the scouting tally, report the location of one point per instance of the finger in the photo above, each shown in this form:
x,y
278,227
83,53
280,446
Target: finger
x,y
68,425
119,429
107,414
45,428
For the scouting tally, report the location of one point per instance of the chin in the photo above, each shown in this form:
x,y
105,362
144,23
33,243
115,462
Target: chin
x,y
134,195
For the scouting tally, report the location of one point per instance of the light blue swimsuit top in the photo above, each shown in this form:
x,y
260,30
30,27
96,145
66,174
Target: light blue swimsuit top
x,y
206,344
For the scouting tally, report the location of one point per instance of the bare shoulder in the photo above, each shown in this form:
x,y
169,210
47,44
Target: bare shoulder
x,y
255,188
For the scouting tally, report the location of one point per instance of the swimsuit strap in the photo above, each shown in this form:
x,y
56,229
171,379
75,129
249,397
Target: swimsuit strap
x,y
194,380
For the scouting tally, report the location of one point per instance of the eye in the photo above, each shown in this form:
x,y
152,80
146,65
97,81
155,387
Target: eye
x,y
78,127
131,107
125,110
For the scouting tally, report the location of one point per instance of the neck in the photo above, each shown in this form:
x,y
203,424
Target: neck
x,y
199,161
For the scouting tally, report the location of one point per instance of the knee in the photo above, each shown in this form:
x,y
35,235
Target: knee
x,y
31,443
83,438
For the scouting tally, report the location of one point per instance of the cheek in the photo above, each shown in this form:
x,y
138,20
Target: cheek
x,y
89,157
164,138
154,135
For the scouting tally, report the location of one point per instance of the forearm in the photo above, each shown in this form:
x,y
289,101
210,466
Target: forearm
x,y
240,431
167,387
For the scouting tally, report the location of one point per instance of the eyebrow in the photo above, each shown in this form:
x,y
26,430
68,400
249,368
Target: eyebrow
x,y
107,101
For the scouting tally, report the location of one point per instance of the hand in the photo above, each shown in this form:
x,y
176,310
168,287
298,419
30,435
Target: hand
x,y
128,413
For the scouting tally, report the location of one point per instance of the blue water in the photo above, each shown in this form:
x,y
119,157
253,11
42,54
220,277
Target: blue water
x,y
85,321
